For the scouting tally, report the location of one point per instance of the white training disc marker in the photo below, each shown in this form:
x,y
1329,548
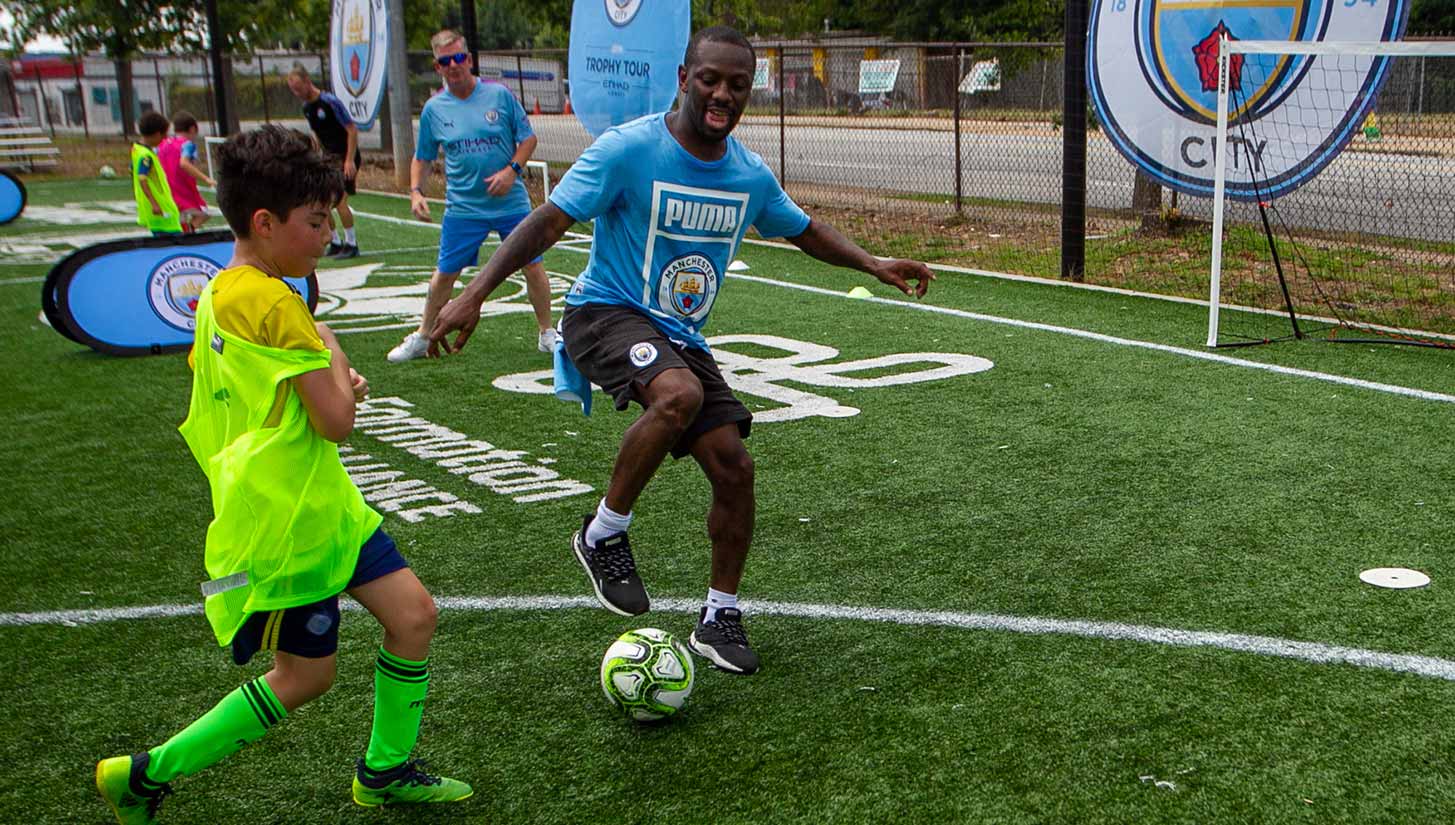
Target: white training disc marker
x,y
737,266
1397,578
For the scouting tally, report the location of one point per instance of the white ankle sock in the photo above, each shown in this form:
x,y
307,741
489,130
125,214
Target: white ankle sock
x,y
717,600
606,523
349,237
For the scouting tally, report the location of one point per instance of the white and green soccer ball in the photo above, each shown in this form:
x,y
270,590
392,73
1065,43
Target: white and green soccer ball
x,y
107,172
646,674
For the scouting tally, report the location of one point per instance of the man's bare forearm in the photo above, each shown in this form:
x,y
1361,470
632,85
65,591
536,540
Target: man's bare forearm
x,y
827,244
538,232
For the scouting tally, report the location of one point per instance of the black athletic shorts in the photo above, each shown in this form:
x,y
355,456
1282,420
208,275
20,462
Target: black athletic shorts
x,y
311,630
618,349
350,184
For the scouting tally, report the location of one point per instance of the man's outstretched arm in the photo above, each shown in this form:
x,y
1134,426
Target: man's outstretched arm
x,y
538,232
826,243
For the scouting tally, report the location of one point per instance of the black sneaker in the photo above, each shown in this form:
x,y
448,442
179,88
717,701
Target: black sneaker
x,y
348,250
612,571
333,250
724,642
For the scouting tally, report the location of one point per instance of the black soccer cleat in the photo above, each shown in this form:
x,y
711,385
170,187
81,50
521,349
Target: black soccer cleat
x,y
346,251
724,642
612,571
333,250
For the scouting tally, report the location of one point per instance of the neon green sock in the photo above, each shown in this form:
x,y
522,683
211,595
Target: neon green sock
x,y
242,716
399,689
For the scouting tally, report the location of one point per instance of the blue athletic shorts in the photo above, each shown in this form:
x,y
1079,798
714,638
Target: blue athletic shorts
x,y
460,239
311,630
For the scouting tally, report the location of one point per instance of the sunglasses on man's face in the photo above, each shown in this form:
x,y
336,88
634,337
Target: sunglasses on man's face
x,y
452,59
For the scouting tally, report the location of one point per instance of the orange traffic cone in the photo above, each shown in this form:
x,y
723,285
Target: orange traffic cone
x,y
568,106
537,109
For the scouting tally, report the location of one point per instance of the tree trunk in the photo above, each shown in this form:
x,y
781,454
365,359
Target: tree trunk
x,y
128,97
1147,201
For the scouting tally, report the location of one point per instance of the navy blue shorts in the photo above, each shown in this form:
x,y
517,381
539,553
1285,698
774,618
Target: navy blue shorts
x,y
461,238
311,630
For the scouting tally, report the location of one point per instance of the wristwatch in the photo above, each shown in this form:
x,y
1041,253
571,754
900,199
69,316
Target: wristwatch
x,y
516,167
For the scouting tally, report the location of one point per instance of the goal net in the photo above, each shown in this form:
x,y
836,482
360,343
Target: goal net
x,y
1334,196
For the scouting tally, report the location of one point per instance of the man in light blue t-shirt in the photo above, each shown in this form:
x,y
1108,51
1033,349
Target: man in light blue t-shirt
x,y
487,139
672,196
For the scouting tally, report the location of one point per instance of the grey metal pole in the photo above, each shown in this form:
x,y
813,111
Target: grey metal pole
x,y
782,118
955,129
400,108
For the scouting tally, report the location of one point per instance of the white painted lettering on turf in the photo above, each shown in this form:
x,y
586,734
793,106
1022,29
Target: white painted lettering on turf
x,y
806,363
505,472
387,489
346,295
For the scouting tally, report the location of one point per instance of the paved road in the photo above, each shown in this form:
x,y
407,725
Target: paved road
x,y
1382,194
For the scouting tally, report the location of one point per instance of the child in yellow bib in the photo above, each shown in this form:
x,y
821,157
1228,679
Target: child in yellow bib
x,y
272,395
155,208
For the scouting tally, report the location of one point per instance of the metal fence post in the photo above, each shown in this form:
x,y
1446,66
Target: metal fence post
x,y
263,89
955,89
207,98
520,81
782,118
1073,144
81,93
163,104
40,101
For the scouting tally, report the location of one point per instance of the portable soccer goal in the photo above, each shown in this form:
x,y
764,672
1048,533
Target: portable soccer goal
x,y
1334,194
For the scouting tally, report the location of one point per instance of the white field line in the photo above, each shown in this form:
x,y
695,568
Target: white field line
x,y
1393,389
1216,358
1313,652
7,281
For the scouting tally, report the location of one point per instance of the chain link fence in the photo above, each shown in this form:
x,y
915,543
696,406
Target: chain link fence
x,y
900,137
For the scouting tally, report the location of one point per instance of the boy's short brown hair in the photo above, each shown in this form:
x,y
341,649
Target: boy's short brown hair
x,y
276,169
183,122
153,123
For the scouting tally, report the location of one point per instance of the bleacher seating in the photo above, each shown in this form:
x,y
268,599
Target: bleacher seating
x,y
24,146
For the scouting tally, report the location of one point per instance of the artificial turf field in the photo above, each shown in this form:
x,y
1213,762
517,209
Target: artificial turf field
x,y
1056,564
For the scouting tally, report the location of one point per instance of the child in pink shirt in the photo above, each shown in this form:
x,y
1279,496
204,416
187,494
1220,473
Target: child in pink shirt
x,y
179,160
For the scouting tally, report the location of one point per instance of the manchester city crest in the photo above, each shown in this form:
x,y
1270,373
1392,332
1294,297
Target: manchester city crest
x,y
1153,78
175,286
621,12
358,44
688,287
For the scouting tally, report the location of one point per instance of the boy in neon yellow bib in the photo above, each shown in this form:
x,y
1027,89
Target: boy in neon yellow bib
x,y
272,395
155,208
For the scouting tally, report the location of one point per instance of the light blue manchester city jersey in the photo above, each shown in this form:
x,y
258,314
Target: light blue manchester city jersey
x,y
667,223
479,135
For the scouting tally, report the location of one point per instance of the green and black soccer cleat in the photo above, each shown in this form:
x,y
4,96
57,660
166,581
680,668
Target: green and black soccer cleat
x,y
407,784
123,784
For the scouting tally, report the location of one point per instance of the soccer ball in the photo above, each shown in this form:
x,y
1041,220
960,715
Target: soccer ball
x,y
107,172
646,674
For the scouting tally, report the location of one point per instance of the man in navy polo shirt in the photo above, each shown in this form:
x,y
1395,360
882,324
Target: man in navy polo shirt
x,y
338,137
487,139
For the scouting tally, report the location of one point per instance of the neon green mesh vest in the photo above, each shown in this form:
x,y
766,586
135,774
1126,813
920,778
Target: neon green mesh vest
x,y
170,219
288,521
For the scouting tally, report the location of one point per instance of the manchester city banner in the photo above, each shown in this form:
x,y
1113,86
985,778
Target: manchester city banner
x,y
1153,77
624,58
358,40
139,297
12,197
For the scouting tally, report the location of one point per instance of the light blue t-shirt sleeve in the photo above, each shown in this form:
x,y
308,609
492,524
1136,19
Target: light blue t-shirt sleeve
x,y
520,121
427,146
593,182
189,151
780,216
